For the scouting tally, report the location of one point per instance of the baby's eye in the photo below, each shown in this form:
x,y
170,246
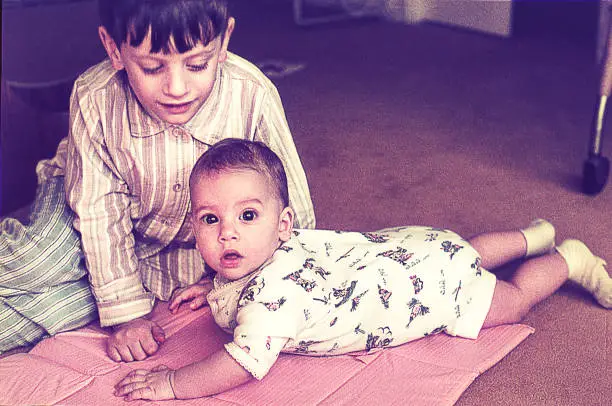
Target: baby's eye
x,y
209,219
248,215
198,68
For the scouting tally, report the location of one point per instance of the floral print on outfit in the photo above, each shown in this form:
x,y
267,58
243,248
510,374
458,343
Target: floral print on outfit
x,y
331,292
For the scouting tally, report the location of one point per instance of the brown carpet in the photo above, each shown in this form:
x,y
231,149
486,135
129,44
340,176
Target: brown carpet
x,y
425,124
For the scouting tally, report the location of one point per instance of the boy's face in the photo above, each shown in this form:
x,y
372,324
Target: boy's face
x,y
171,86
238,221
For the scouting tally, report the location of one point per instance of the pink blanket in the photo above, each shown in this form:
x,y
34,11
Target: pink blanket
x,y
72,368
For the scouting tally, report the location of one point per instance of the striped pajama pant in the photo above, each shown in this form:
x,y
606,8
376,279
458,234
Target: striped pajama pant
x,y
43,281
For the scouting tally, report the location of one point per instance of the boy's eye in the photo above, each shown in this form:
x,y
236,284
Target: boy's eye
x,y
198,68
248,215
151,71
210,219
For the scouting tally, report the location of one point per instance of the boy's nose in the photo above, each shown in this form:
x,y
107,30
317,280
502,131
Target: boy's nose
x,y
175,85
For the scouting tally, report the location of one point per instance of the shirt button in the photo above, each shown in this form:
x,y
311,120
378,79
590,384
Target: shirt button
x,y
177,132
177,187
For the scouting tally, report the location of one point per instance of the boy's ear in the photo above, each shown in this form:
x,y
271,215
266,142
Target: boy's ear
x,y
111,48
228,33
285,224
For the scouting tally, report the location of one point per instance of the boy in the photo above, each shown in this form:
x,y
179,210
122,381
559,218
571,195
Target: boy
x,y
139,121
323,293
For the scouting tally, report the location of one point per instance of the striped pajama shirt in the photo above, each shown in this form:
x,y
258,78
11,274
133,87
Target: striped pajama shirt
x,y
124,239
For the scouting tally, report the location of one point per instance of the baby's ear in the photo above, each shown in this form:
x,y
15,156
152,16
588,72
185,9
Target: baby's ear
x,y
191,223
285,224
112,50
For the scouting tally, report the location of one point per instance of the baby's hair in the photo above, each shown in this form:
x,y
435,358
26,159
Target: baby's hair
x,y
234,153
187,22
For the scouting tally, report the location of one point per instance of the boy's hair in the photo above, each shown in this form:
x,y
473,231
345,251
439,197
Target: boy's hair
x,y
233,153
187,22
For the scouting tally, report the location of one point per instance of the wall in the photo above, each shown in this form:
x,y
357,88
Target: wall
x,y
493,17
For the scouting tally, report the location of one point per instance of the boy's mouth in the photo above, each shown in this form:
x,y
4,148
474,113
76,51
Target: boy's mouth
x,y
176,108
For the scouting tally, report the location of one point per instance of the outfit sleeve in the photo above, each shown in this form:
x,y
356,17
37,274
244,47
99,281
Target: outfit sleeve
x,y
258,359
274,131
271,311
99,197
264,325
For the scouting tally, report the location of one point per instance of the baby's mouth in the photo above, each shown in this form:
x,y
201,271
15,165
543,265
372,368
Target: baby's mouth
x,y
231,258
231,255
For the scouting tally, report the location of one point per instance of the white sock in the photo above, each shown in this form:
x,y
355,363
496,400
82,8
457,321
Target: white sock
x,y
587,270
540,237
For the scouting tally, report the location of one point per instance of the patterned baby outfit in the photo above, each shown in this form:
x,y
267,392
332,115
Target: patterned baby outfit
x,y
331,292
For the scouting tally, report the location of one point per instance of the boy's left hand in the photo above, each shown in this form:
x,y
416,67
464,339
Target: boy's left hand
x,y
196,294
149,385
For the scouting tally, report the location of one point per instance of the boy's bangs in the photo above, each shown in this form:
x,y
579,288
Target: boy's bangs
x,y
185,23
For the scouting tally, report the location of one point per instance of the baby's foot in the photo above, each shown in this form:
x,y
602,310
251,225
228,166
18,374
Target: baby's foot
x,y
540,237
587,270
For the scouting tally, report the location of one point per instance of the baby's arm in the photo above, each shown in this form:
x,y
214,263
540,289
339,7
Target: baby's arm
x,y
215,374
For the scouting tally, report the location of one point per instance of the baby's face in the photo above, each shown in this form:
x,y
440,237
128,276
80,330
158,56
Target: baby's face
x,y
238,221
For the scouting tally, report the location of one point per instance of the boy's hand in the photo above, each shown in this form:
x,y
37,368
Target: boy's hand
x,y
151,385
196,294
134,340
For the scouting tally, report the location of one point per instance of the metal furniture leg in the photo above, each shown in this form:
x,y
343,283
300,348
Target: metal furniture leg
x,y
597,167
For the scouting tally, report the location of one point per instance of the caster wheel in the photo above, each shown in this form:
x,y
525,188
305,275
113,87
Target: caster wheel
x,y
595,174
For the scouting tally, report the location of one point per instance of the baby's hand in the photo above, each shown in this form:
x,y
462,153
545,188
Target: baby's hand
x,y
150,385
196,294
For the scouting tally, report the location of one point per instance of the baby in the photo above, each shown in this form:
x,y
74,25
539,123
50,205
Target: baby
x,y
323,293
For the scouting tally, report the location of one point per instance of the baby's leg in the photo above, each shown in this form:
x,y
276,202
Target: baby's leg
x,y
498,248
538,278
533,281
